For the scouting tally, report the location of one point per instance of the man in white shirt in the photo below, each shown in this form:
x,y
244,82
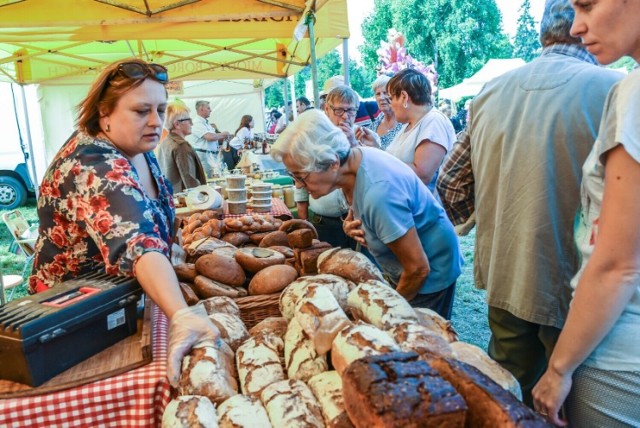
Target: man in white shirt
x,y
205,137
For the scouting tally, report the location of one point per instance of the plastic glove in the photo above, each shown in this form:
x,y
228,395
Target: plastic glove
x,y
188,327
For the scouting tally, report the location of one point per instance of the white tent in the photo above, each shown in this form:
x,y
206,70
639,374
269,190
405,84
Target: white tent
x,y
472,85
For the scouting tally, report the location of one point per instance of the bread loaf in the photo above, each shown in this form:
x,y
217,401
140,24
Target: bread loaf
x,y
257,237
272,325
307,258
259,363
436,323
209,372
489,404
237,239
398,390
232,329
241,411
285,251
186,272
205,288
301,238
378,304
357,341
300,357
272,279
348,264
275,238
296,224
339,287
222,269
256,259
221,304
321,317
476,357
198,248
188,293
187,411
327,388
291,404
417,338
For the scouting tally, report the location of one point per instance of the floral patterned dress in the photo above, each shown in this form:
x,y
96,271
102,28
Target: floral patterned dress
x,y
95,216
387,138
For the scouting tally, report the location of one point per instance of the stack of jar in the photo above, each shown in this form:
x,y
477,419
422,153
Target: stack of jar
x,y
237,194
261,197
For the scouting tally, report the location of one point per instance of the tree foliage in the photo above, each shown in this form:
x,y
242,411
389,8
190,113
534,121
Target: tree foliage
x,y
526,44
459,36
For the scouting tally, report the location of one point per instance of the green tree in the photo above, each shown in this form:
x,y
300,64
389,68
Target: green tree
x,y
459,36
526,44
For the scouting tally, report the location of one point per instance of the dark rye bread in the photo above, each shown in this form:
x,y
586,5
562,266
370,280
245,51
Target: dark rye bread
x,y
489,404
399,390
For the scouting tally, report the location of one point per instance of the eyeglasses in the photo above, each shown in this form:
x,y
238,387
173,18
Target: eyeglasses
x,y
185,120
136,70
339,111
300,180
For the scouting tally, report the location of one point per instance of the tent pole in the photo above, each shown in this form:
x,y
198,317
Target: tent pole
x,y
294,111
345,61
32,159
314,60
286,100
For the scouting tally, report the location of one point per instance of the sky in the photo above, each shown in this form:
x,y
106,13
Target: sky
x,y
359,9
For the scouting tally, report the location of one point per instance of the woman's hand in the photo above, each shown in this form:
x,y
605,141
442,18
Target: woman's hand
x,y
549,394
367,137
353,228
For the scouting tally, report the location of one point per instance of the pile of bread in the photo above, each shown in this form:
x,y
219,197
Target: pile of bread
x,y
254,254
347,351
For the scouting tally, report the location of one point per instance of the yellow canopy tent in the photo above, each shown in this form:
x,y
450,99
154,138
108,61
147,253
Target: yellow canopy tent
x,y
47,41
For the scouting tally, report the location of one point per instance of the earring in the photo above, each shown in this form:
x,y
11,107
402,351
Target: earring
x,y
108,129
405,105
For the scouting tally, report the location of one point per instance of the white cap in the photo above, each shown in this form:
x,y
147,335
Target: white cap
x,y
331,83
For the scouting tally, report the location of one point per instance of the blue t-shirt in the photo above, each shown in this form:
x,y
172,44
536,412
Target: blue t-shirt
x,y
389,198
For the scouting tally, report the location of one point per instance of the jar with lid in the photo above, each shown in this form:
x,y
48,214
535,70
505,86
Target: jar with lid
x,y
277,192
289,199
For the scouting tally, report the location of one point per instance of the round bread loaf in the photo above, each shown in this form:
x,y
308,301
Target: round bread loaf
x,y
221,268
272,279
286,251
348,264
189,411
277,237
256,259
237,239
257,237
186,272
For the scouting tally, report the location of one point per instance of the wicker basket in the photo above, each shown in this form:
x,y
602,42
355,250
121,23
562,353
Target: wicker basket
x,y
254,309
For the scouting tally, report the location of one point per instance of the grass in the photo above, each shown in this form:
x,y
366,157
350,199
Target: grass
x,y
469,308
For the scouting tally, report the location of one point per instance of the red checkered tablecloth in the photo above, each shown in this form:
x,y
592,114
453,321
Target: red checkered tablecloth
x,y
278,209
133,399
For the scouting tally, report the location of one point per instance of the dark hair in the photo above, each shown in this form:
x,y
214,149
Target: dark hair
x,y
304,100
555,26
244,122
104,94
414,83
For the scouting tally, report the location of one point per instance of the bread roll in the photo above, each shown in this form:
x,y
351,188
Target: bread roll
x,y
208,371
272,325
187,411
241,411
291,404
300,357
327,388
378,304
221,304
397,390
275,238
206,288
232,329
476,357
272,279
419,339
186,272
339,287
256,259
348,264
321,317
222,269
258,360
436,323
359,341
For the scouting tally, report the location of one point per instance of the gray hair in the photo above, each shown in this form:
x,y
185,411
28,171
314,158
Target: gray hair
x,y
555,26
381,81
312,142
201,103
343,94
175,111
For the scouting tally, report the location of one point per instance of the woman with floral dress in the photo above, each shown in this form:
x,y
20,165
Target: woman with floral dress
x,y
104,205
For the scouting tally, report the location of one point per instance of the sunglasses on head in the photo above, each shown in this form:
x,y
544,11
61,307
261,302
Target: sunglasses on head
x,y
136,70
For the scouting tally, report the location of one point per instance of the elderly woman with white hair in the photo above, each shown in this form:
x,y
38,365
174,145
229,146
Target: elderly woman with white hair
x,y
405,229
178,160
386,126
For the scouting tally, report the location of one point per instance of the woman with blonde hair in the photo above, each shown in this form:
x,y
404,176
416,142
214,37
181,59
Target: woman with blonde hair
x,y
178,160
